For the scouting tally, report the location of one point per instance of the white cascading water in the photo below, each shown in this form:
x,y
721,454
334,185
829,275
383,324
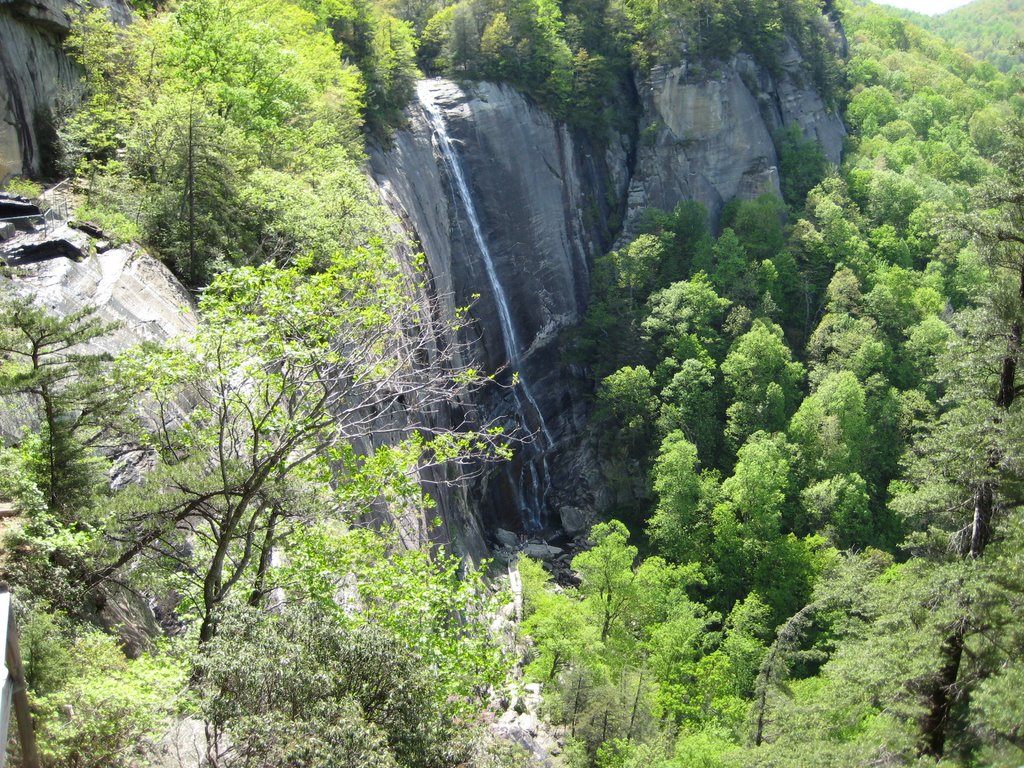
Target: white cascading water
x,y
532,517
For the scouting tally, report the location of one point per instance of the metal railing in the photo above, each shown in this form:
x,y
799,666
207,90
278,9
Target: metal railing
x,y
14,695
54,210
58,200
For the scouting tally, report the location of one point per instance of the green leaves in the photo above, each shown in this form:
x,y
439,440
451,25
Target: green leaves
x,y
306,686
427,600
764,381
92,706
621,646
55,475
628,396
214,150
681,527
293,380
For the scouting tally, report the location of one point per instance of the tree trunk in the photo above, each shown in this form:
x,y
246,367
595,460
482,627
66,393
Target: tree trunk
x,y
50,414
555,658
762,709
981,524
190,181
212,587
266,560
1008,375
576,703
636,703
943,694
607,623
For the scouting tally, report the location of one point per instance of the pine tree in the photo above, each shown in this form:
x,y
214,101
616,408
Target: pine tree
x,y
45,359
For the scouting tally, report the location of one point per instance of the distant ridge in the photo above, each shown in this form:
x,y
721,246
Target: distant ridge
x,y
990,30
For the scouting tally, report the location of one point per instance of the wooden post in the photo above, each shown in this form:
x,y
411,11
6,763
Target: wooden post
x,y
5,680
15,689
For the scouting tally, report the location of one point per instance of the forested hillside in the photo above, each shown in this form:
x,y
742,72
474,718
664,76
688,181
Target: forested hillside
x,y
821,395
196,482
990,30
804,410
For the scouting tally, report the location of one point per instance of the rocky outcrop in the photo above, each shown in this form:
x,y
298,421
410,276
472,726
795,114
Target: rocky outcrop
x,y
530,733
34,74
541,199
790,99
126,285
509,208
707,136
701,139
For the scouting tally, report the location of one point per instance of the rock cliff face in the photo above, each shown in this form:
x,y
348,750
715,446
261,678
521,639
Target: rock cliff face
x,y
127,287
708,136
34,74
510,207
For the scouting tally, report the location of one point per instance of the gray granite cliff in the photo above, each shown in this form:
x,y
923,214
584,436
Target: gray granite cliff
x,y
510,208
539,200
707,135
35,74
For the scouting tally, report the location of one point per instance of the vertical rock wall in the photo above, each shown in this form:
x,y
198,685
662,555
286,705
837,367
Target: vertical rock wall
x,y
707,136
545,201
542,199
35,74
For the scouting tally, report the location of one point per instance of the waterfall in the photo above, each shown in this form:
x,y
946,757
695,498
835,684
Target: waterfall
x,y
532,498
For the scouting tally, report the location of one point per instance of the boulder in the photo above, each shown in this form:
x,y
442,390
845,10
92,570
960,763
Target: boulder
x,y
506,539
10,209
528,723
128,616
93,230
541,551
540,741
532,698
574,520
